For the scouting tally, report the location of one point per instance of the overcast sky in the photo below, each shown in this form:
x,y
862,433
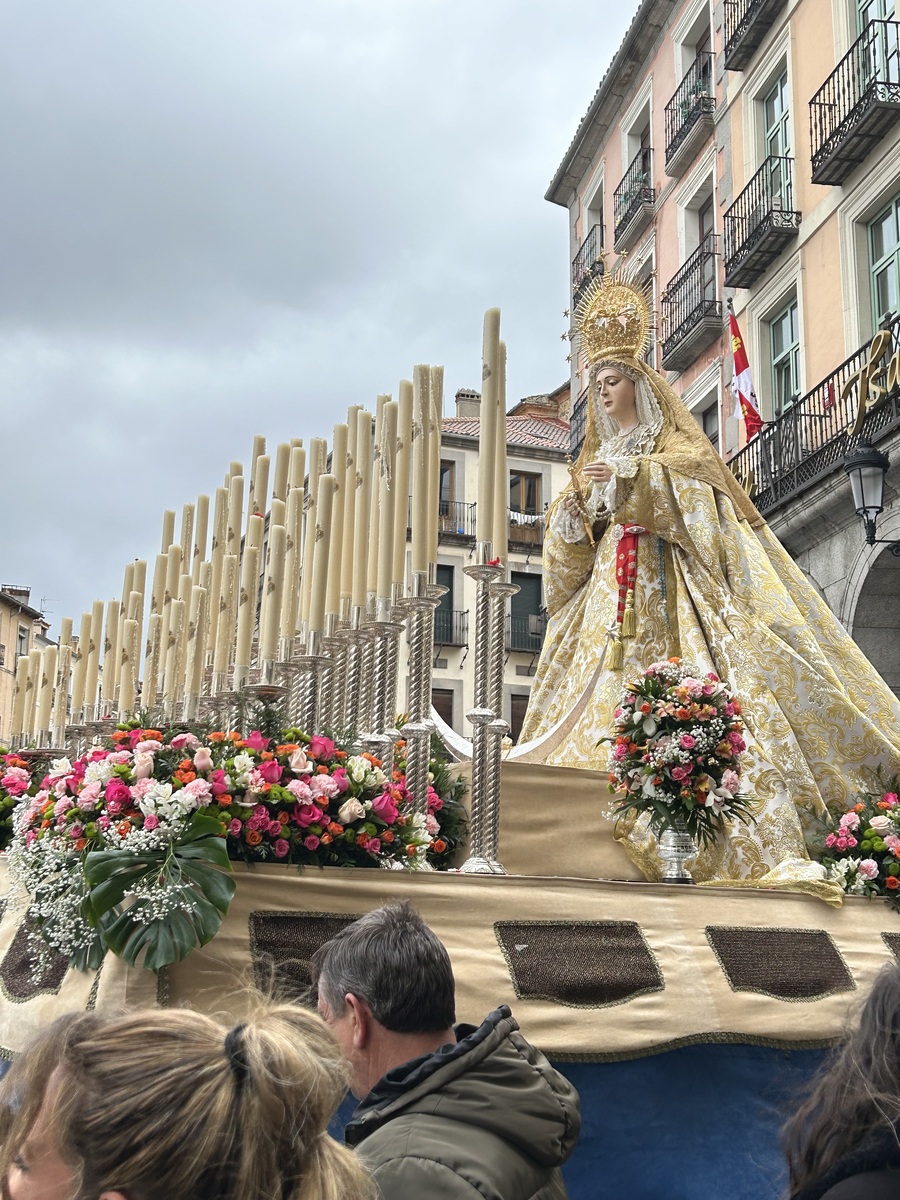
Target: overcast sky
x,y
228,217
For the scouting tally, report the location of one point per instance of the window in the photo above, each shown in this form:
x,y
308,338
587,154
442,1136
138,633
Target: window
x,y
443,616
2,656
525,493
873,10
442,702
518,706
646,281
784,329
594,216
777,135
22,643
709,423
448,514
884,256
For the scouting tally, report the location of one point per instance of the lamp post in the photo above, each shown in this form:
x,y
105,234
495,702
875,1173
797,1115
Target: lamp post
x,y
866,468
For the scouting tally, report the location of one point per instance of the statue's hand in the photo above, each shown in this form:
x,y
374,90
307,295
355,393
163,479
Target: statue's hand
x,y
598,471
572,507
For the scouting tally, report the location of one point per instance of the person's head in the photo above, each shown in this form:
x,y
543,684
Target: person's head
x,y
385,986
856,1093
169,1103
615,392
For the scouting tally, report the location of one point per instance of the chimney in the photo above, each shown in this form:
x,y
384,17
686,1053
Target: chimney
x,y
468,404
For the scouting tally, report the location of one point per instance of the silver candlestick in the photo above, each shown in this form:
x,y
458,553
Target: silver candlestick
x,y
312,668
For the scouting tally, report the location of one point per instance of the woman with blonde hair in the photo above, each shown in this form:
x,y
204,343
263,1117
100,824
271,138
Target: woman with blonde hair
x,y
163,1104
655,551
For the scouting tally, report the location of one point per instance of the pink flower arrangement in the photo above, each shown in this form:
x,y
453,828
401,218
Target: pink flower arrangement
x,y
862,853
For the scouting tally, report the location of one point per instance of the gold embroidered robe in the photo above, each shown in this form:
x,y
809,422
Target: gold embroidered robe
x,y
728,598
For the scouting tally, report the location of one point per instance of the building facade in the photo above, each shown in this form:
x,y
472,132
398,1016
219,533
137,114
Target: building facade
x,y
746,152
23,628
537,433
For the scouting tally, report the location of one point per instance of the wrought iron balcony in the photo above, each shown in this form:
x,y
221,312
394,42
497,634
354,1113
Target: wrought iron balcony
x,y
810,440
689,115
634,200
760,223
578,424
692,316
746,24
526,633
525,529
451,627
588,262
456,518
858,103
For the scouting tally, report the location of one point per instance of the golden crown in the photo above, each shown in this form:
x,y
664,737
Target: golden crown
x,y
613,319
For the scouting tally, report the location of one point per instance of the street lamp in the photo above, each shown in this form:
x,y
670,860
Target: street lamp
x,y
866,468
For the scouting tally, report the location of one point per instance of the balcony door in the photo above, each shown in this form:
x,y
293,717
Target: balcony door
x,y
443,614
884,252
785,334
873,10
878,59
525,631
777,126
706,227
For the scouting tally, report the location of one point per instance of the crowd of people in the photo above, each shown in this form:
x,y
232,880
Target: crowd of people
x,y
161,1104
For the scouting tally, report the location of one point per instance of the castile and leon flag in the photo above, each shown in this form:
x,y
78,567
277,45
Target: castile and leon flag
x,y
742,385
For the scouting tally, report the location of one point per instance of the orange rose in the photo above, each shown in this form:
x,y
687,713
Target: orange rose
x,y
410,850
283,817
439,846
321,770
123,828
152,735
266,755
340,754
326,839
224,800
892,882
336,829
253,837
120,735
218,736
287,748
387,837
362,839
81,843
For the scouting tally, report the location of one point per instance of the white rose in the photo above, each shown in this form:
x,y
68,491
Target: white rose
x,y
351,810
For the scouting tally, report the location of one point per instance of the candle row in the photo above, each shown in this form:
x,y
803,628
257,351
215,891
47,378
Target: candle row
x,y
255,570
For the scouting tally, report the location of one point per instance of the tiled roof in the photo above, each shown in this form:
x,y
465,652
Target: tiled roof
x,y
548,434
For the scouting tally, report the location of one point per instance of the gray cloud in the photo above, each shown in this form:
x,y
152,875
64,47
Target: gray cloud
x,y
221,218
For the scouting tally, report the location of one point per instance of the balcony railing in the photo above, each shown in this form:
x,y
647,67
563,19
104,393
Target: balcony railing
x,y
692,315
634,199
760,223
858,103
578,424
811,439
689,114
526,633
746,24
526,529
457,518
451,627
588,262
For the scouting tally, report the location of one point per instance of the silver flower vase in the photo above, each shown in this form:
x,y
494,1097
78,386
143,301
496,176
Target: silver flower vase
x,y
676,847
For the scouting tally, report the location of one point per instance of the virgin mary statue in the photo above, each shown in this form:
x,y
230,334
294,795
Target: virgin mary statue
x,y
655,551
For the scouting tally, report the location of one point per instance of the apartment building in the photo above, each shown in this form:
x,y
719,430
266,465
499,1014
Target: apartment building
x,y
22,629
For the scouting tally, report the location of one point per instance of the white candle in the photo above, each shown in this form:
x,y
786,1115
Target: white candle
x,y
110,677
487,439
386,500
152,657
79,673
217,557
227,611
32,687
201,528
277,513
168,530
140,586
436,409
94,648
298,465
272,593
322,543
259,449
158,592
261,486
420,469
317,450
256,529
173,578
374,493
60,706
187,535
361,516
290,600
49,660
196,642
65,632
339,471
18,713
348,517
246,614
282,465
172,680
235,505
127,667
500,532
401,479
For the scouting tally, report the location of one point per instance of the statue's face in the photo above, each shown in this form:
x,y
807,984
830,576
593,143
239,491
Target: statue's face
x,y
615,391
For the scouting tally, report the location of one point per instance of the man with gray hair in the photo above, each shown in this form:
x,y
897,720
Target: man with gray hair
x,y
446,1112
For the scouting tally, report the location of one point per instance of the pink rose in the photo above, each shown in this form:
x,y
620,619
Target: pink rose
x,y
89,796
270,771
341,782
892,842
120,757
680,773
144,763
311,842
737,742
202,760
217,783
435,803
687,742
373,845
890,799
385,808
261,811
868,868
257,742
850,840
151,821
117,792
97,755
103,822
134,736
299,763
16,781
300,789
235,828
148,747
321,747
274,828
282,847
62,806
831,839
307,814
184,741
841,843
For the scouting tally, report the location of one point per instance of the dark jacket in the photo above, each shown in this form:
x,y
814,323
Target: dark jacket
x,y
871,1172
487,1117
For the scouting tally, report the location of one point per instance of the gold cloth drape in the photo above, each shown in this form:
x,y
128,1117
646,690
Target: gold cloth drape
x,y
726,596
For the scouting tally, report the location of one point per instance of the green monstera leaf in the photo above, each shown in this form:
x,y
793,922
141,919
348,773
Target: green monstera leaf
x,y
158,907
